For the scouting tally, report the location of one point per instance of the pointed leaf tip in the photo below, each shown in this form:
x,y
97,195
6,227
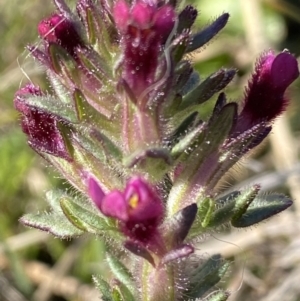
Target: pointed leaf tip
x,y
262,208
204,36
54,223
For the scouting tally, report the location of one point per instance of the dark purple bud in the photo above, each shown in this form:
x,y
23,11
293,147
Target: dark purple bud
x,y
138,208
41,127
205,35
264,97
57,29
144,30
163,21
177,228
186,18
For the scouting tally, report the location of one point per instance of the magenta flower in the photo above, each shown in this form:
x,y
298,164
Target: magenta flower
x,y
40,127
264,97
139,209
144,29
57,29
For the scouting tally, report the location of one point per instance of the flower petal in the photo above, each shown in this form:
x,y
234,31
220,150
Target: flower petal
x,y
95,192
284,70
115,205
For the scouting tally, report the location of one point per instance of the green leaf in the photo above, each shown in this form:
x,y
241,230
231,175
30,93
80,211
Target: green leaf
x,y
53,106
202,37
205,210
103,287
234,205
243,201
62,62
237,147
206,276
222,215
54,223
217,130
191,83
84,217
206,89
120,271
262,208
219,296
99,34
122,293
79,104
95,64
178,47
182,128
219,127
227,198
116,295
157,153
99,145
155,161
200,157
60,89
92,26
53,199
194,136
110,148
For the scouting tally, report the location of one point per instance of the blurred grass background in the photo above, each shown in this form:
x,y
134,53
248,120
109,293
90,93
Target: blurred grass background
x,y
35,266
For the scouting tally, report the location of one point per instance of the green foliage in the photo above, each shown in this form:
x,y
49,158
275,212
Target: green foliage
x,y
104,288
120,271
205,276
55,221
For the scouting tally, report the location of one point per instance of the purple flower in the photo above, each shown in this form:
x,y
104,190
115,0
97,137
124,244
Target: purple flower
x,y
264,97
57,29
40,126
138,209
144,29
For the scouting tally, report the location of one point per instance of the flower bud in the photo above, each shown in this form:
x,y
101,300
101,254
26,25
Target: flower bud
x,y
57,29
144,30
264,97
41,128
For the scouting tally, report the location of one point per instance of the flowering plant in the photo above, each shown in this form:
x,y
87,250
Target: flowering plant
x,y
122,124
